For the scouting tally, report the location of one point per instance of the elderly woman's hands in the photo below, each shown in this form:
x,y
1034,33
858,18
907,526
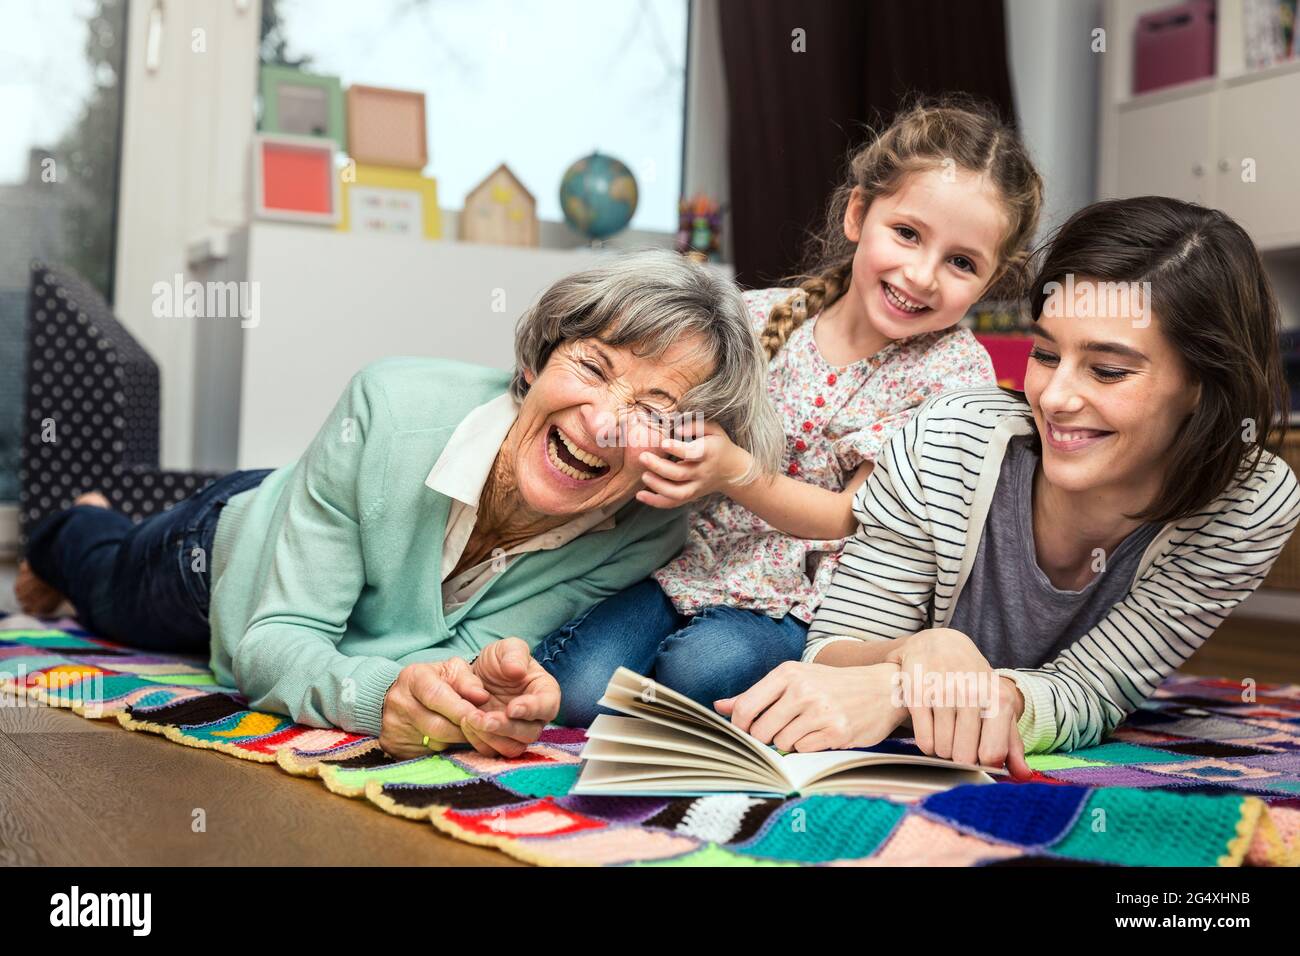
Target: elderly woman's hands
x,y
499,705
709,463
521,699
433,700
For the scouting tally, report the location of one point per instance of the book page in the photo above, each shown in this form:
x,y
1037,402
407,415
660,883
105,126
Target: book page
x,y
803,770
642,780
630,693
623,754
637,732
896,781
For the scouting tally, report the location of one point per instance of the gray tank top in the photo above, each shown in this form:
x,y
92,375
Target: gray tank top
x,y
1008,607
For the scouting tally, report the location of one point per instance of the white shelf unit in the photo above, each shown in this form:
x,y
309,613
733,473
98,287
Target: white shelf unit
x,y
1191,141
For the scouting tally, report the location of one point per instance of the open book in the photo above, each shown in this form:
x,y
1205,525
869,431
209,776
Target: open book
x,y
670,745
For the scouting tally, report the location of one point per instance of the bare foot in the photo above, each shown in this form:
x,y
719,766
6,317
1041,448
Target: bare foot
x,y
34,595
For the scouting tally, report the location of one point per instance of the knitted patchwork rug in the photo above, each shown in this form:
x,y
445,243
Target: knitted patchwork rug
x,y
1204,774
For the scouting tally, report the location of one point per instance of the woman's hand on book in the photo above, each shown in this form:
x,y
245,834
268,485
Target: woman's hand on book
x,y
959,706
805,707
707,464
1005,726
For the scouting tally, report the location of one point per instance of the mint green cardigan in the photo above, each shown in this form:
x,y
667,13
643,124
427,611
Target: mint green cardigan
x,y
327,577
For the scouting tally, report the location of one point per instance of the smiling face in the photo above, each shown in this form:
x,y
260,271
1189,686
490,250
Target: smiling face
x,y
1109,394
926,252
569,452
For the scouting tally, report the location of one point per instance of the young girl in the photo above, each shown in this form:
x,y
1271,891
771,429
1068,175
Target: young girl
x,y
936,209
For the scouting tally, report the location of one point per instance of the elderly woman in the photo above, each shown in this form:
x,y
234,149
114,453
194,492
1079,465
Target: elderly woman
x,y
1028,571
314,583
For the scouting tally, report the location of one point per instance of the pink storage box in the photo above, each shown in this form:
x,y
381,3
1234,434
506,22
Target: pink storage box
x,y
1010,355
1174,45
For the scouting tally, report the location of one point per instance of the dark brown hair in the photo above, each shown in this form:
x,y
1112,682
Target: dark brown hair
x,y
954,127
1212,300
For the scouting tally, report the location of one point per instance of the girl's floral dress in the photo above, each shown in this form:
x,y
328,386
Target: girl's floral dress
x,y
835,419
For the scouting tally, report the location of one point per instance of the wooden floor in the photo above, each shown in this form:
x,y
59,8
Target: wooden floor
x,y
77,792
85,792
1267,651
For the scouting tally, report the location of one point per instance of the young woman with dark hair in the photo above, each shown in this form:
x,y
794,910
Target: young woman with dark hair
x,y
1063,553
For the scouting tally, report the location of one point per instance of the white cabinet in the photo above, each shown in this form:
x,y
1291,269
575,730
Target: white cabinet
x,y
1231,141
1257,174
1165,149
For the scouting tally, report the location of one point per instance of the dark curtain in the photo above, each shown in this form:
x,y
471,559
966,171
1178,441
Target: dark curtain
x,y
795,115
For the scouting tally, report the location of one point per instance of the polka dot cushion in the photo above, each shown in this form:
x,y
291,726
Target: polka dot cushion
x,y
91,414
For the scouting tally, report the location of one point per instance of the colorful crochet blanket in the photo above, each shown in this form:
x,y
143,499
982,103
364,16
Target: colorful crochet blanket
x,y
1203,775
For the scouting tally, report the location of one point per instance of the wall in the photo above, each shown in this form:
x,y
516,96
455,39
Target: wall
x,y
706,168
1054,76
186,132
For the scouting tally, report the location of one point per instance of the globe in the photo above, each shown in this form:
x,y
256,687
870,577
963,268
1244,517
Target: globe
x,y
598,196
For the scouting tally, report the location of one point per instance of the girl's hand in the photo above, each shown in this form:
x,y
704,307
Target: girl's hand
x,y
710,463
958,705
804,707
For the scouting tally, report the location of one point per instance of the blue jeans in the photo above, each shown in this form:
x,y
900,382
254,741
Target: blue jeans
x,y
717,653
145,585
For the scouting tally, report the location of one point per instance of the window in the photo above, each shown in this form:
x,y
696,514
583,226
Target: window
x,y
61,98
536,84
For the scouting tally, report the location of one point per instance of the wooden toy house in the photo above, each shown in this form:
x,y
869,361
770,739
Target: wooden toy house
x,y
500,210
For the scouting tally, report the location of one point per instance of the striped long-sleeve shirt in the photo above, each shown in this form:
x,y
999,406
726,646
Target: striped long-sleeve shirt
x,y
921,514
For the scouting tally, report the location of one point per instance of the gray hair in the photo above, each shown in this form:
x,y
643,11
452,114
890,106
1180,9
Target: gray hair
x,y
649,300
